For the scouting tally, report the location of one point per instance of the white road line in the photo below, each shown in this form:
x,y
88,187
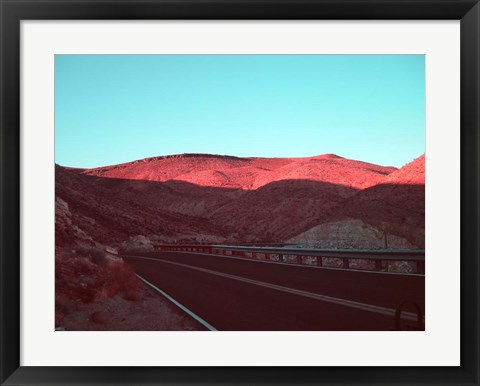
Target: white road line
x,y
191,313
251,260
312,295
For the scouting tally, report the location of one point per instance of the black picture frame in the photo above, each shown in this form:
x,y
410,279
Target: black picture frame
x,y
13,11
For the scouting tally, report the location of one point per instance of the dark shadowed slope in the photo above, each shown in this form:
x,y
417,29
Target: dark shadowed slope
x,y
399,199
114,210
174,211
395,206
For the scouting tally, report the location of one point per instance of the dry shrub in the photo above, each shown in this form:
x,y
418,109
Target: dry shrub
x,y
122,279
87,276
96,255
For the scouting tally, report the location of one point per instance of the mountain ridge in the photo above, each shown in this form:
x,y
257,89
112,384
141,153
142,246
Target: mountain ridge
x,y
215,198
244,173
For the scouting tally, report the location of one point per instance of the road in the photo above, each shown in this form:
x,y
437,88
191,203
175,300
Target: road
x,y
242,295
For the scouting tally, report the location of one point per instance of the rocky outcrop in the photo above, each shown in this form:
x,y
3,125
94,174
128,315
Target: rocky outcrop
x,y
137,243
350,233
66,232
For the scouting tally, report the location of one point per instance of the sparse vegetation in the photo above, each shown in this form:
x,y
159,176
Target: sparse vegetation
x,y
85,275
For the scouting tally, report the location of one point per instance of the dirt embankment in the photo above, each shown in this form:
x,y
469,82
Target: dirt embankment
x,y
96,290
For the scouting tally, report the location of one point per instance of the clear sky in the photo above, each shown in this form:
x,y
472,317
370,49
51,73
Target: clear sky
x,y
117,108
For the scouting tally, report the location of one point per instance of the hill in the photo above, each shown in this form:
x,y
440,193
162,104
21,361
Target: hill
x,y
245,173
217,198
394,210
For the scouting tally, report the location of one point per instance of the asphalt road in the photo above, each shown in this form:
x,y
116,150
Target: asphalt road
x,y
242,295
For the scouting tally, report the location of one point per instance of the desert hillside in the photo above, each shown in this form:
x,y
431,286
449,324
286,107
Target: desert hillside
x,y
393,212
245,173
217,199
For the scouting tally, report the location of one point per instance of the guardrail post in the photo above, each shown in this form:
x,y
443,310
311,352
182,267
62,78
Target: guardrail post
x,y
378,265
280,257
319,261
299,259
346,262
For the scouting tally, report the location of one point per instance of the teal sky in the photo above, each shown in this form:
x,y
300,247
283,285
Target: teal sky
x,y
117,108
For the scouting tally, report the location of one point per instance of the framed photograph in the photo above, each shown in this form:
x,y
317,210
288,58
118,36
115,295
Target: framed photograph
x,y
235,192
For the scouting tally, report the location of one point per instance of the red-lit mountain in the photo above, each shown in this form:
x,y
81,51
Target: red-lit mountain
x,y
246,173
213,198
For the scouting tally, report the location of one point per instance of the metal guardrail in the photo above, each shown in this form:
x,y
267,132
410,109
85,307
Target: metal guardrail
x,y
185,248
402,261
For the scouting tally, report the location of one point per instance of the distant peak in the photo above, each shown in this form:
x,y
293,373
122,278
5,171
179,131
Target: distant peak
x,y
328,156
202,155
188,155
